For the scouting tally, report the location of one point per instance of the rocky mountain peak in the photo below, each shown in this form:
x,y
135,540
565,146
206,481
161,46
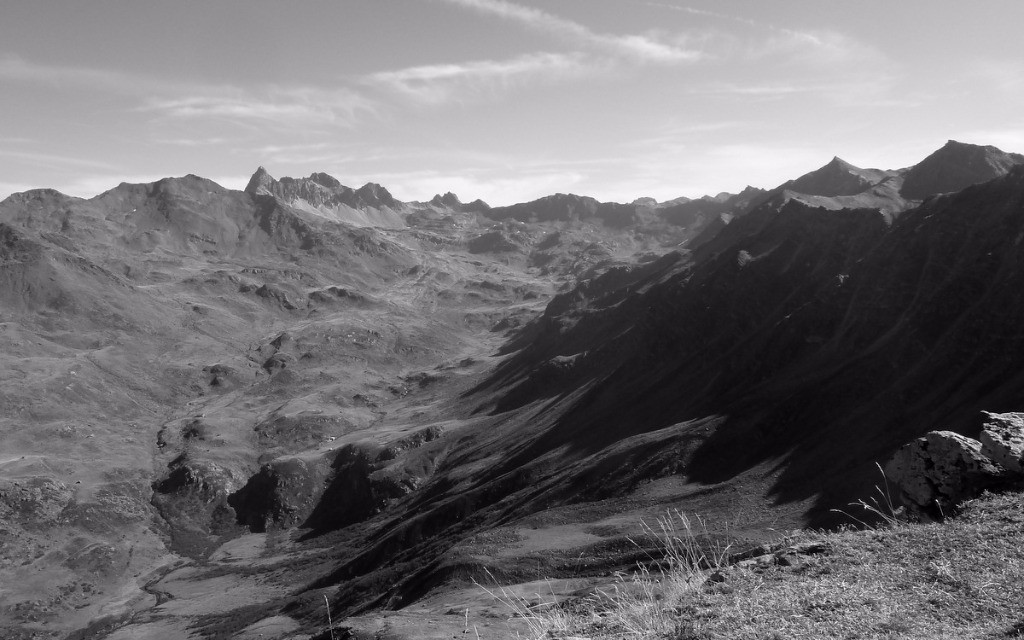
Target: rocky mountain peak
x,y
837,178
37,195
261,180
954,166
326,180
477,205
375,195
372,189
325,195
955,146
449,200
954,151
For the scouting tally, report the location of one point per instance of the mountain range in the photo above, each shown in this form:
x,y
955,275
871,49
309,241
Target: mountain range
x,y
220,406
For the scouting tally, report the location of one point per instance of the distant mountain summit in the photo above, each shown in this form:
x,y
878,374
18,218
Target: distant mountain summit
x,y
841,186
261,182
955,166
837,185
321,189
565,207
320,178
711,213
837,178
451,202
449,199
372,194
324,195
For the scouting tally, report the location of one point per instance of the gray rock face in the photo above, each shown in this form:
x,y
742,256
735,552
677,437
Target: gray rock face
x,y
1002,440
940,469
320,189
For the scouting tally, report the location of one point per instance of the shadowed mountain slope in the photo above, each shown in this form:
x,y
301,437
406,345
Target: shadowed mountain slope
x,y
775,363
827,338
711,213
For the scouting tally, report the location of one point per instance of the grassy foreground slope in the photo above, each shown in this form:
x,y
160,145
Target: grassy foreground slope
x,y
963,578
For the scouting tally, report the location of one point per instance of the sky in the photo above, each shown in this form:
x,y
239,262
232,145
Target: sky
x,y
504,100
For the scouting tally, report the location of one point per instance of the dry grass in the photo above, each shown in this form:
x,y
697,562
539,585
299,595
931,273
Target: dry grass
x,y
637,606
960,579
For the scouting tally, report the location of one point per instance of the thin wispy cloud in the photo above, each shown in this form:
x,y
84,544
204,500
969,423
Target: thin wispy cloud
x,y
462,81
819,46
589,52
678,135
703,12
268,104
640,47
17,140
865,91
807,63
53,160
282,107
319,154
273,149
16,68
1006,76
192,142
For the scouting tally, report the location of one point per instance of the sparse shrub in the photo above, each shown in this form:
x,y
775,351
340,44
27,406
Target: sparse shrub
x,y
883,511
643,603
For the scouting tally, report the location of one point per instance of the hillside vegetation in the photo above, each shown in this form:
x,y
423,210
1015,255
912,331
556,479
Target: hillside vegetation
x,y
962,578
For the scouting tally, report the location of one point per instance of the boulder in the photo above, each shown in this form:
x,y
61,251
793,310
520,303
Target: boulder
x,y
935,472
1002,440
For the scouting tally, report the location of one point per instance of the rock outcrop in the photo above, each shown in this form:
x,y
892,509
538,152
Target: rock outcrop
x,y
281,494
939,470
936,472
1002,440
